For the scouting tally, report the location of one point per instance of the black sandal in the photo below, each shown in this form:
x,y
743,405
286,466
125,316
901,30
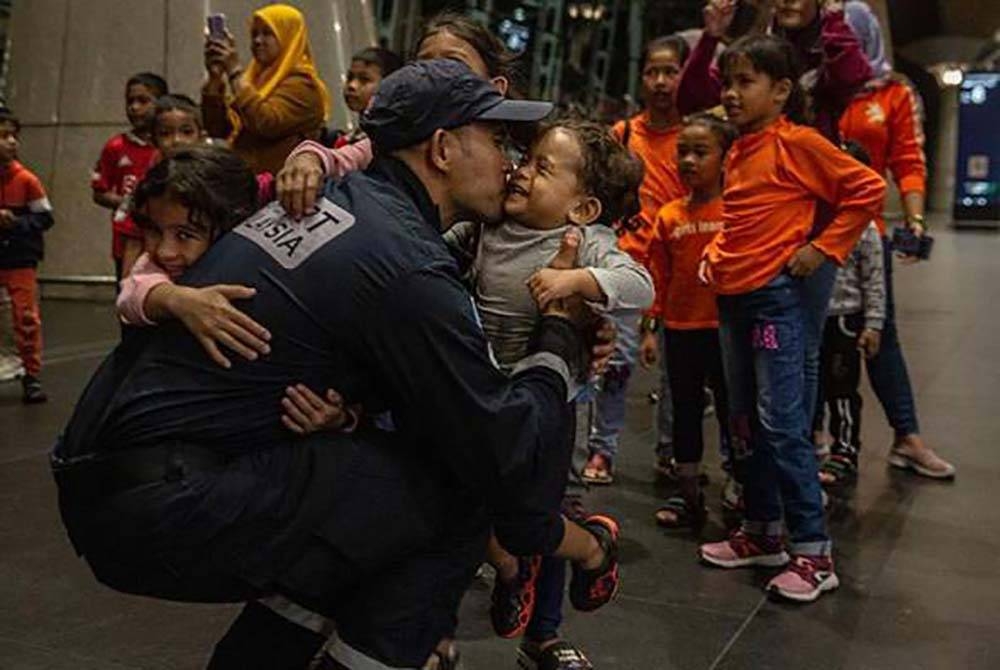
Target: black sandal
x,y
842,471
684,516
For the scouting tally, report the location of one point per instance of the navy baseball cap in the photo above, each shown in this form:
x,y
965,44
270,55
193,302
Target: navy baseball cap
x,y
423,96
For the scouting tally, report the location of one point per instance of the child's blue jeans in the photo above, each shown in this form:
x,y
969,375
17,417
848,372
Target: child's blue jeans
x,y
817,289
609,406
763,349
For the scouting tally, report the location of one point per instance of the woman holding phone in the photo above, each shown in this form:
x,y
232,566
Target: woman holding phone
x,y
276,101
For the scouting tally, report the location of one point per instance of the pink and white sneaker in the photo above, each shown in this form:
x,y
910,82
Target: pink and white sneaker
x,y
805,579
743,550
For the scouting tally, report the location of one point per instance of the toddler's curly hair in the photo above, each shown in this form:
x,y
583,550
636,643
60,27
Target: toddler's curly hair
x,y
609,172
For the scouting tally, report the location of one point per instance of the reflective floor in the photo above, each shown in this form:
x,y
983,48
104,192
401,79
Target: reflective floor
x,y
918,560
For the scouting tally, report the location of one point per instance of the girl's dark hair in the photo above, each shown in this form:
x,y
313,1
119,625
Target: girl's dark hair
x,y
176,102
215,184
385,60
500,62
7,116
154,82
675,43
609,172
774,57
725,132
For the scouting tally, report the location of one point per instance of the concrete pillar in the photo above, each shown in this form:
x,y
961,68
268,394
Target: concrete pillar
x,y
69,64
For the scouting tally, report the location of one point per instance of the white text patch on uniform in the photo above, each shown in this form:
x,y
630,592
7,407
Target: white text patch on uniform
x,y
291,242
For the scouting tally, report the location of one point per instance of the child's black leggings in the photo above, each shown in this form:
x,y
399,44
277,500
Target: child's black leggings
x,y
839,378
694,360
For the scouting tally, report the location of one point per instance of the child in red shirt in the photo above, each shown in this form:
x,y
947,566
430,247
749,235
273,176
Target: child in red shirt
x,y
682,229
776,174
123,163
25,214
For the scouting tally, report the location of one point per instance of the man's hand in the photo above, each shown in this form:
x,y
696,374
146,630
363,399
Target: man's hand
x,y
306,412
7,219
718,16
298,184
649,350
869,341
547,285
210,316
805,261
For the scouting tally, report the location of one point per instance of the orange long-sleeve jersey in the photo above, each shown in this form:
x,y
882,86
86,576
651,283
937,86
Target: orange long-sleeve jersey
x,y
885,119
657,149
774,179
681,232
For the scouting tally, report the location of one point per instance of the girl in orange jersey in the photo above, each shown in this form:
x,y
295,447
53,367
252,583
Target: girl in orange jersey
x,y
652,136
682,229
776,175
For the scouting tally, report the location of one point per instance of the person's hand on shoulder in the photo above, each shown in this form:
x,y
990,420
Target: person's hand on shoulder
x,y
297,185
211,317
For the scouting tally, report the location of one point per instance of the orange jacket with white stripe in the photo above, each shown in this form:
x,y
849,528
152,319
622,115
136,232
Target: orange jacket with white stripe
x,y
885,119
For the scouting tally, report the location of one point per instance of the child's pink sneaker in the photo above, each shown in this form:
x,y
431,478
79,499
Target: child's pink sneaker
x,y
805,579
744,550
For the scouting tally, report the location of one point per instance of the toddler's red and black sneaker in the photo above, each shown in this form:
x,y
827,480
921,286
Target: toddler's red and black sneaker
x,y
590,589
513,602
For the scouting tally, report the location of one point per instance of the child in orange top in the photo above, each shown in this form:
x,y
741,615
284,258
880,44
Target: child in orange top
x,y
682,229
776,174
652,137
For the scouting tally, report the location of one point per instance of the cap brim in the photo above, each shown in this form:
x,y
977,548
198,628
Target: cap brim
x,y
517,110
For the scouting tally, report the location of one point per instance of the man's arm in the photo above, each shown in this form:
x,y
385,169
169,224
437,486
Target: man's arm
x,y
433,365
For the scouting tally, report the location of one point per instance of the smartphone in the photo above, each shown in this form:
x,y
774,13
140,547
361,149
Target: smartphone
x,y
216,26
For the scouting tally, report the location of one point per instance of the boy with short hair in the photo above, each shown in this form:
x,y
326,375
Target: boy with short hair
x,y
122,165
368,67
25,213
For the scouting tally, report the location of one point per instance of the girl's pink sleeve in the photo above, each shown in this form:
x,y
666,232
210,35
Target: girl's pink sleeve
x,y
700,85
134,288
338,162
845,66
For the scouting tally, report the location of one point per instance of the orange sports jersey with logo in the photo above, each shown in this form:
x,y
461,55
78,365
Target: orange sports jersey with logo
x,y
681,232
774,179
885,119
657,149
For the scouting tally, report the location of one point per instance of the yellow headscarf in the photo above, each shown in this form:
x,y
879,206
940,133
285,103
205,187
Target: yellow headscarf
x,y
289,27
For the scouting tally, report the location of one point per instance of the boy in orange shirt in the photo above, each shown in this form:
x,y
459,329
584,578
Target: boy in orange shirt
x,y
25,214
652,136
687,309
776,174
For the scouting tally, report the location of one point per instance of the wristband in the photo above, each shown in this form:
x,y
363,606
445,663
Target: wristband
x,y
917,219
649,324
233,75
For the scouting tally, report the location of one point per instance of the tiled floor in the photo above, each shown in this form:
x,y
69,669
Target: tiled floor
x,y
918,559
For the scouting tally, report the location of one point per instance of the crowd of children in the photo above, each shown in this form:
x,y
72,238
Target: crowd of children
x,y
736,215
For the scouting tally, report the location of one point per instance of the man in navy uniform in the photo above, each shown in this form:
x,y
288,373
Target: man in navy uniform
x,y
177,479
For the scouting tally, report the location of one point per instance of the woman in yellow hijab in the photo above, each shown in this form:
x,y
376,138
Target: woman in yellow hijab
x,y
277,101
